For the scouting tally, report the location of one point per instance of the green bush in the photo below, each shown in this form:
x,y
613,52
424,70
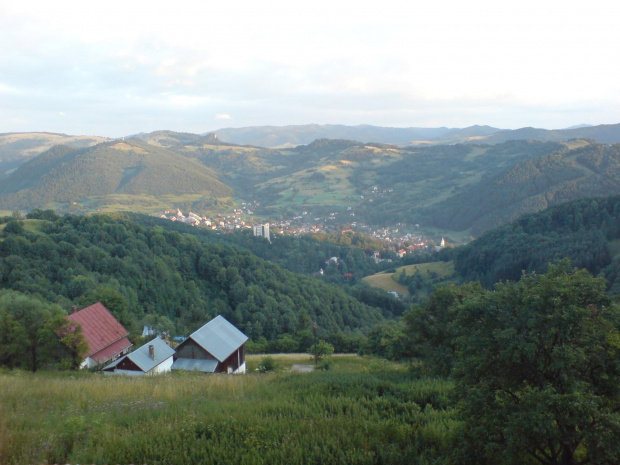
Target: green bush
x,y
267,364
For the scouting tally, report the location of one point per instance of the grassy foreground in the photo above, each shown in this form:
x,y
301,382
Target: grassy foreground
x,y
361,411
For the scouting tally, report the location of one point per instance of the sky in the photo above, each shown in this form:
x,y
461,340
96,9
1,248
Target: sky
x,y
117,68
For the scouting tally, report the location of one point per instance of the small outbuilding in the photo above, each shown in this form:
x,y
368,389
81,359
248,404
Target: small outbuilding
x,y
217,347
106,337
152,358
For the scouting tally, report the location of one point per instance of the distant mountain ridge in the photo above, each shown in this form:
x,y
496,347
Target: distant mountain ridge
x,y
291,136
603,133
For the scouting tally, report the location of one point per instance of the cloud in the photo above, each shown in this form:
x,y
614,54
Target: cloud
x,y
274,62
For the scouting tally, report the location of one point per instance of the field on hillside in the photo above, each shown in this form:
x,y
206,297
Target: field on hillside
x,y
386,282
361,411
426,275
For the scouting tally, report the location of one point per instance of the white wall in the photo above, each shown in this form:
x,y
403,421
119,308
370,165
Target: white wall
x,y
163,367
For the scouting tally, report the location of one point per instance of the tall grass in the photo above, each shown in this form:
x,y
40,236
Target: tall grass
x,y
356,413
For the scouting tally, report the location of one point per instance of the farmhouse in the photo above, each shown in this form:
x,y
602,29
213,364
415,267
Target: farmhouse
x,y
106,337
152,358
217,347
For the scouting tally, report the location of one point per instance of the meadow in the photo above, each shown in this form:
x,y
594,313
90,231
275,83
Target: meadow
x,y
360,411
428,276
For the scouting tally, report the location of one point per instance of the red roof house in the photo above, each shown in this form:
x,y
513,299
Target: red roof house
x,y
106,337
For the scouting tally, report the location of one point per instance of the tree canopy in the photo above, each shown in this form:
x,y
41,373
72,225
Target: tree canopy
x,y
537,371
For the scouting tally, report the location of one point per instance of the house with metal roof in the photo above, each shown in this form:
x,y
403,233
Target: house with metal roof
x,y
152,358
217,347
106,337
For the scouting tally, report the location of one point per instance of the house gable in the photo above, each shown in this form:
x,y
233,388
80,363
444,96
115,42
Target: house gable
x,y
216,347
190,349
106,337
219,338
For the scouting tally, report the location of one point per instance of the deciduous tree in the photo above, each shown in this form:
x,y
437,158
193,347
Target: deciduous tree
x,y
538,374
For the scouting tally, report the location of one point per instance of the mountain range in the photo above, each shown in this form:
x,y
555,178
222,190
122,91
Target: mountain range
x,y
290,136
464,188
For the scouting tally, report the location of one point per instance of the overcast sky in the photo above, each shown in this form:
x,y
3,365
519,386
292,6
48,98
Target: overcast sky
x,y
115,68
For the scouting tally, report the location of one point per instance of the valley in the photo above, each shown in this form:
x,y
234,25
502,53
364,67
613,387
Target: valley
x,y
453,191
417,265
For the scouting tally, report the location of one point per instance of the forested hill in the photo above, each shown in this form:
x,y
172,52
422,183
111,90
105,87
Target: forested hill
x,y
64,174
137,270
586,231
547,177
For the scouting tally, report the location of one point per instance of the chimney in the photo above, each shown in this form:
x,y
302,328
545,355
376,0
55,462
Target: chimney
x,y
73,309
152,351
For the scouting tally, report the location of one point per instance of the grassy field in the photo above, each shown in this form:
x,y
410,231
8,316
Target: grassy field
x,y
361,411
386,282
430,274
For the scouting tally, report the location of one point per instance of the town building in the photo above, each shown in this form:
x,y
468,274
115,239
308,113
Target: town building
x,y
262,230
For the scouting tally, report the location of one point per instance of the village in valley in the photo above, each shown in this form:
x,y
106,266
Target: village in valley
x,y
400,238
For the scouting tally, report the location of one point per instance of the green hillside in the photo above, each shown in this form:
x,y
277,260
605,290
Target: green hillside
x,y
413,281
585,231
139,271
581,169
464,188
106,174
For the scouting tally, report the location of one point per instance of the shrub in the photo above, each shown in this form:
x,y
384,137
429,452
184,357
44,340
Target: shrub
x,y
267,365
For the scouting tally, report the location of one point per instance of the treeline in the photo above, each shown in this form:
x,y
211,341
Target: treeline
x,y
582,231
143,272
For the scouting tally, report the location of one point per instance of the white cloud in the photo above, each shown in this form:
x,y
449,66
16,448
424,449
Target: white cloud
x,y
223,116
124,66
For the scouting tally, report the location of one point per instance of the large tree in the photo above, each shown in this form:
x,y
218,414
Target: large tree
x,y
538,371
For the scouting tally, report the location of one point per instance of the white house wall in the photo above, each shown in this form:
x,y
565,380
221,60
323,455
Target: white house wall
x,y
125,372
163,367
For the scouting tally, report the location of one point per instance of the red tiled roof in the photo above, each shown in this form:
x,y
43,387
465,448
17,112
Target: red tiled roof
x,y
99,327
111,351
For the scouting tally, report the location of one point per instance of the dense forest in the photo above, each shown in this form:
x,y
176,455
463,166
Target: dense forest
x,y
584,231
143,272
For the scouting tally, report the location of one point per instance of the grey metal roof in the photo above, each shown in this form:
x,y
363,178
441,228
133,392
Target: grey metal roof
x,y
142,358
206,366
219,337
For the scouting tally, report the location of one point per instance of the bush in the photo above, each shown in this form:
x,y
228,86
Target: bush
x,y
267,364
325,365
